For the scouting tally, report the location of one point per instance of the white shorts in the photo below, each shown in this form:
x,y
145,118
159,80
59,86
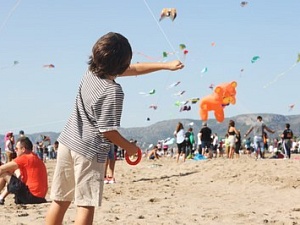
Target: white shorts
x,y
76,178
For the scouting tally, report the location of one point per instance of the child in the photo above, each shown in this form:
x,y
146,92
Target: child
x,y
92,128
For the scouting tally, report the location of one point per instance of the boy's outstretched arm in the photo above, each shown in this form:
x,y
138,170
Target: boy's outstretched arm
x,y
143,68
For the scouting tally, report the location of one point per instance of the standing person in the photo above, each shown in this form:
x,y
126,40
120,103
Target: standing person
x,y
86,139
180,141
205,136
199,148
232,133
258,129
238,144
221,148
189,141
227,145
32,185
248,146
266,144
9,146
215,144
287,136
109,172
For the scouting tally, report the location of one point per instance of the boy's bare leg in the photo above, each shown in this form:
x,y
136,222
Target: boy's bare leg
x,y
56,212
84,215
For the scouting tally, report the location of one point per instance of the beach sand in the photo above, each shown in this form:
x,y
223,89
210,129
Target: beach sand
x,y
217,191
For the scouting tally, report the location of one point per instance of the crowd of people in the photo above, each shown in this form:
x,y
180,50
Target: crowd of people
x,y
232,145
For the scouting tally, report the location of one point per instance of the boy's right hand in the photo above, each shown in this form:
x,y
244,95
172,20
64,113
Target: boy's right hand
x,y
175,65
132,149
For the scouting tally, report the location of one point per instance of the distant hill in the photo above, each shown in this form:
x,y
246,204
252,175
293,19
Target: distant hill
x,y
164,129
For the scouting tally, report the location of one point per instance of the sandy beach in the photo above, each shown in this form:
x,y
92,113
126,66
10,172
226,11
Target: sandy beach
x,y
216,191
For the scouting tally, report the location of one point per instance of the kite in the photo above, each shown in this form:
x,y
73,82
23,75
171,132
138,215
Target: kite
x,y
291,107
49,66
185,108
194,100
182,46
283,73
204,70
151,92
174,84
243,4
185,52
14,64
165,54
153,107
148,119
213,44
255,58
179,93
223,95
179,103
169,141
211,86
171,12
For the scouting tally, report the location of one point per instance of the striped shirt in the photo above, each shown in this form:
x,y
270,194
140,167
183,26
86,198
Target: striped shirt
x,y
98,108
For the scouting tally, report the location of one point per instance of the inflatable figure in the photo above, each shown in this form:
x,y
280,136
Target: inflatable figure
x,y
223,95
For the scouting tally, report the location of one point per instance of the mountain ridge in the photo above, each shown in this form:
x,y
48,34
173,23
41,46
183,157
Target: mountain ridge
x,y
164,129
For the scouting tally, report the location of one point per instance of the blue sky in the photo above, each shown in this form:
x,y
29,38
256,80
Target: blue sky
x,y
62,33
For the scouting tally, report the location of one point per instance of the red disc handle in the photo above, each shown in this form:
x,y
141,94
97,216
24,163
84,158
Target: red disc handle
x,y
135,162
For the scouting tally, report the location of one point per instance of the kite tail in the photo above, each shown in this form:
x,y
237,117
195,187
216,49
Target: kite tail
x,y
280,75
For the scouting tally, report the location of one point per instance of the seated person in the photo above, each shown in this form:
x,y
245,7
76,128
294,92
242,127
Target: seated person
x,y
31,186
153,154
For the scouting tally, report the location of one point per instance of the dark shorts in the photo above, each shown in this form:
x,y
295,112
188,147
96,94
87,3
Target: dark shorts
x,y
205,144
181,147
22,193
152,157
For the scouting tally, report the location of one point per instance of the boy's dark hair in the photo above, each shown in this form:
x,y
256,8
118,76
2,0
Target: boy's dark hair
x,y
25,142
111,55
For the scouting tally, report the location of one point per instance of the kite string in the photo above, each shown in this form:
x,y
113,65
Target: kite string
x,y
162,31
165,36
280,75
9,14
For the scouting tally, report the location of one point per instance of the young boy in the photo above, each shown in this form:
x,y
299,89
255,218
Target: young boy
x,y
92,128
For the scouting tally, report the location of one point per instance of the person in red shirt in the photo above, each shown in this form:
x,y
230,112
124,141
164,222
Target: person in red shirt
x,y
26,176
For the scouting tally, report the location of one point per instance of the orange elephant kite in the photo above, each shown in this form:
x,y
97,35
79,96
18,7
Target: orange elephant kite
x,y
223,95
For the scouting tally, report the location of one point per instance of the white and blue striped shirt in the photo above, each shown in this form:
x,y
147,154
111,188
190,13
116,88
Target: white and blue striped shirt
x,y
98,108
